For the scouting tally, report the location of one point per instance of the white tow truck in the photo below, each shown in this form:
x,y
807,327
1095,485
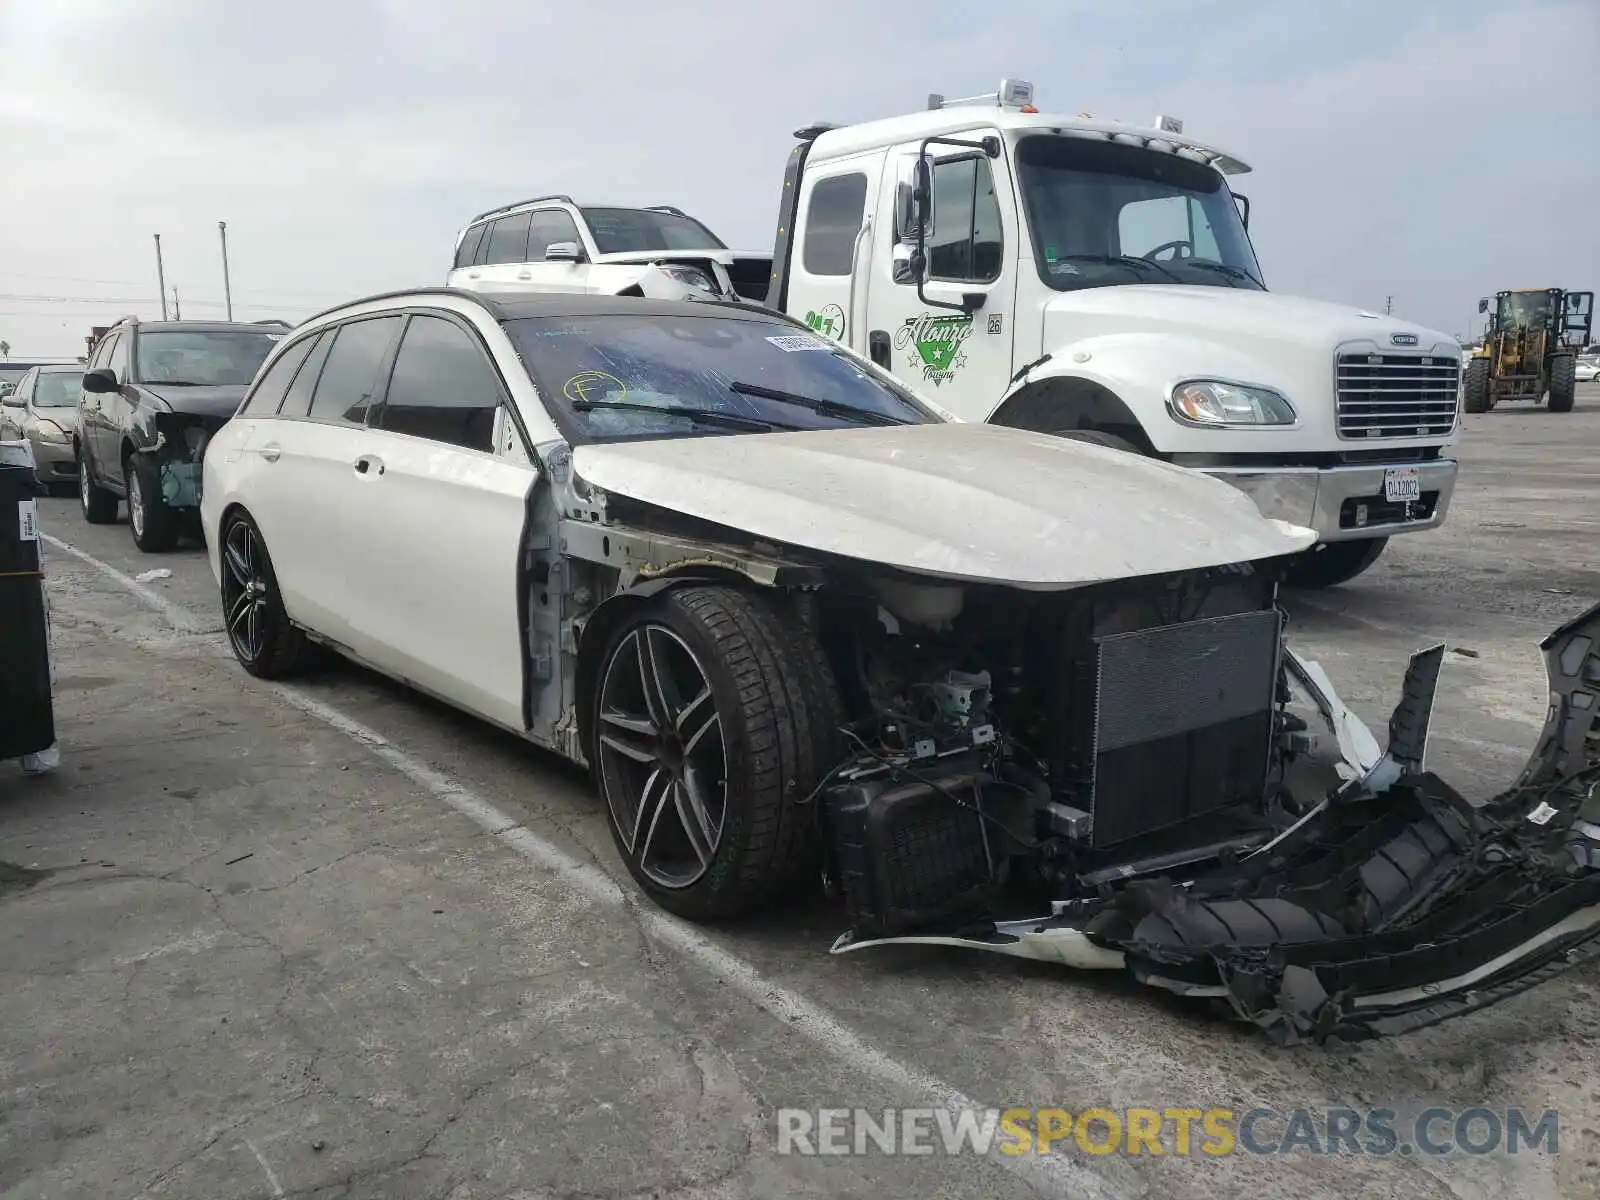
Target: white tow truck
x,y
1096,279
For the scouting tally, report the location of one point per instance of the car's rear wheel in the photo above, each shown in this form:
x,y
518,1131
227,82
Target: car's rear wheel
x,y
258,627
714,718
154,525
1333,563
99,506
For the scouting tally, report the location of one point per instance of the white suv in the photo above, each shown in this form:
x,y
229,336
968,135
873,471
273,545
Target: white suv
x,y
554,244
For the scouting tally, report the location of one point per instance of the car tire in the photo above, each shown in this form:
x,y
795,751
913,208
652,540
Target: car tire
x,y
155,526
1333,563
1097,438
263,639
1563,383
714,718
99,506
1475,396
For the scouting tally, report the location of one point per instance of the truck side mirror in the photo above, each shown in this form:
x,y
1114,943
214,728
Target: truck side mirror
x,y
922,195
1242,203
1483,306
909,265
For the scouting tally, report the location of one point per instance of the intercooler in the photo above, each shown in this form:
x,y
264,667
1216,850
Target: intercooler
x,y
1164,725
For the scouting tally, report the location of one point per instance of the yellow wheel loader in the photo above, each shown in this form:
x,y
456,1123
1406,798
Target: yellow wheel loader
x,y
1530,348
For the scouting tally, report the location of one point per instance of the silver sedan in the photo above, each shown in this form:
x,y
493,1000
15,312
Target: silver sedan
x,y
43,411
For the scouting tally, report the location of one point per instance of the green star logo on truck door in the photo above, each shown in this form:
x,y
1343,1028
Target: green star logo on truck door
x,y
938,340
827,320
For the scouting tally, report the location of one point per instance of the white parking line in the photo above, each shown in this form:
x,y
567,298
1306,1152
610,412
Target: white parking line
x,y
181,618
1050,1174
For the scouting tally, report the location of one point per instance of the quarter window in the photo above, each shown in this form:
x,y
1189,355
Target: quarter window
x,y
967,241
508,240
832,222
274,385
551,225
350,377
443,387
470,241
297,403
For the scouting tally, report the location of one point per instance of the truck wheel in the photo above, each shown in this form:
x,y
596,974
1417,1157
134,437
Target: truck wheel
x,y
715,717
1563,382
1333,563
1475,387
1096,438
154,525
99,506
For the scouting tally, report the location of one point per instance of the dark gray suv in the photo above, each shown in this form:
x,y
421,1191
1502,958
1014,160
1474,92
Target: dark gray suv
x,y
153,394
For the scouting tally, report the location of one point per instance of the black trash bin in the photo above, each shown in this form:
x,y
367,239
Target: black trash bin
x,y
27,716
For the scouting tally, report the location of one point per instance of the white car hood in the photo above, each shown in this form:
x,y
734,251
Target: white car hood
x,y
969,502
1233,314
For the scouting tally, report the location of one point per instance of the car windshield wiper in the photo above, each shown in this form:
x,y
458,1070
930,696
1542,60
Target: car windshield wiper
x,y
1227,269
1126,260
700,416
826,408
175,383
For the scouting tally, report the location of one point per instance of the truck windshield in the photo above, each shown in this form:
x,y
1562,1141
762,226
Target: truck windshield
x,y
1105,213
629,230
619,376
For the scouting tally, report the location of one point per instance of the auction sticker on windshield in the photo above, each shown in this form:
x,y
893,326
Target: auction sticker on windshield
x,y
28,520
1402,483
790,342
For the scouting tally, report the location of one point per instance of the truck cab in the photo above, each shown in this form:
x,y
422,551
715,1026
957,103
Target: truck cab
x,y
1096,279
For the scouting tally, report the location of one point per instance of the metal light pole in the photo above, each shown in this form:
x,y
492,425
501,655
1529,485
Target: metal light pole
x,y
161,278
177,309
227,286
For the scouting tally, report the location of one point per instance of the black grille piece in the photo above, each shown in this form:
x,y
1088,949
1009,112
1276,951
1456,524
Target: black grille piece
x,y
1397,395
1181,722
1379,511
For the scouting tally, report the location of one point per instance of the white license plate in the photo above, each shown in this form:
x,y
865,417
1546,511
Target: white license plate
x,y
1402,483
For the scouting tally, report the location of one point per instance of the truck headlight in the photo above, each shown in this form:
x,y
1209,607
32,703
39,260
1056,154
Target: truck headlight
x,y
1213,403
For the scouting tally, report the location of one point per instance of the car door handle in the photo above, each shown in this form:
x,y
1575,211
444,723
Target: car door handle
x,y
365,464
524,274
271,453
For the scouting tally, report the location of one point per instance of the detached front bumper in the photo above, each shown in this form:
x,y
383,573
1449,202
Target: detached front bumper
x,y
1346,503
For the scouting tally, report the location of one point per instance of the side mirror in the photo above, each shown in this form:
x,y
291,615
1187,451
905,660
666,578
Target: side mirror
x,y
568,252
1242,203
1483,306
102,379
9,399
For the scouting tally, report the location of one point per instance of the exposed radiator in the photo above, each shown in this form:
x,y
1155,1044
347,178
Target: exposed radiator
x,y
1181,722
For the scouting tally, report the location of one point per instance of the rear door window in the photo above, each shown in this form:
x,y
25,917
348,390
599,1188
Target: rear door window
x,y
350,377
270,390
508,240
443,387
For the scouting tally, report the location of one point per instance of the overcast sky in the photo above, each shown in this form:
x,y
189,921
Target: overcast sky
x,y
1401,147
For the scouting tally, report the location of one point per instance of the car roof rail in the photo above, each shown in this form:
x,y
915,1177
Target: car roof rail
x,y
669,209
274,321
505,208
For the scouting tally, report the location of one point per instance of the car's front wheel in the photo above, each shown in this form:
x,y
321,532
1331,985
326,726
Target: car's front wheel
x,y
155,526
714,719
258,627
99,506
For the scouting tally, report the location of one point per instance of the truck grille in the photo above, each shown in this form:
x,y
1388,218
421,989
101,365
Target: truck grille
x,y
1397,395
